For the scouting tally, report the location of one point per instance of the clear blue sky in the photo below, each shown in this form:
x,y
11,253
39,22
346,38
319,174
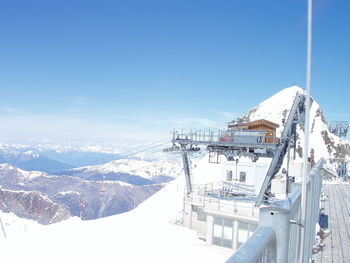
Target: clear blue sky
x,y
106,69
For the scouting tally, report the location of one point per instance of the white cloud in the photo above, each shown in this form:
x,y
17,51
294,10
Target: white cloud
x,y
182,122
77,104
15,110
226,115
69,128
202,121
21,125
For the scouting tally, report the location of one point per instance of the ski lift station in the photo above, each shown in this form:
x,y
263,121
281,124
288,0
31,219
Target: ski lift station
x,y
224,212
256,194
263,204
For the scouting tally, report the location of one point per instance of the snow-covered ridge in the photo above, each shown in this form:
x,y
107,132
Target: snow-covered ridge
x,y
96,148
145,169
24,174
276,107
322,142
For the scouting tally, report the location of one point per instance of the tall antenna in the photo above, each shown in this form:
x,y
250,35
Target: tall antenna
x,y
306,130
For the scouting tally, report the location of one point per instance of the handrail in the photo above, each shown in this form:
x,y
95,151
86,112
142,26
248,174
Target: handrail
x,y
258,248
255,138
284,219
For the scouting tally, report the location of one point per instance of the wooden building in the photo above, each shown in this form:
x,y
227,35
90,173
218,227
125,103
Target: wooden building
x,y
258,125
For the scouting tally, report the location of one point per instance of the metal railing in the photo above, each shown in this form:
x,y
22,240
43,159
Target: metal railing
x,y
226,137
283,219
218,197
260,248
224,186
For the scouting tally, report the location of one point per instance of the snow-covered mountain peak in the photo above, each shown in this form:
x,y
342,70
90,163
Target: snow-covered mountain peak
x,y
31,154
10,170
6,166
322,142
283,97
274,108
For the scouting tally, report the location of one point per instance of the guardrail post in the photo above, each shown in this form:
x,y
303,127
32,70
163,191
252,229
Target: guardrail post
x,y
279,219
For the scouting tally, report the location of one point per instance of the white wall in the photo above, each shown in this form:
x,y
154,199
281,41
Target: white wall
x,y
255,171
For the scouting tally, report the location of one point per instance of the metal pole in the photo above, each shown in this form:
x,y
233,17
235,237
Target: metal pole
x,y
279,219
187,171
3,229
288,164
306,132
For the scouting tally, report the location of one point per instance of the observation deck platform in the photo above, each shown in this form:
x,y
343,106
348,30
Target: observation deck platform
x,y
337,207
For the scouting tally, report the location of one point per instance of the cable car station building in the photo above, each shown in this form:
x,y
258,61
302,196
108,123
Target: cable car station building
x,y
224,212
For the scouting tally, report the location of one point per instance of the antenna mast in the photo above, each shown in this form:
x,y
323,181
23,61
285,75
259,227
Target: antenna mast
x,y
306,130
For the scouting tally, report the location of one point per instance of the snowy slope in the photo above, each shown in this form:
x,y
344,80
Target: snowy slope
x,y
150,233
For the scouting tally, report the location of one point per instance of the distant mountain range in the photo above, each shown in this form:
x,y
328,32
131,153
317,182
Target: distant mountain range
x,y
96,198
34,162
81,158
98,190
51,160
135,172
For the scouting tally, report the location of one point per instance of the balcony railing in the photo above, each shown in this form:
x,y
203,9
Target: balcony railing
x,y
242,138
277,239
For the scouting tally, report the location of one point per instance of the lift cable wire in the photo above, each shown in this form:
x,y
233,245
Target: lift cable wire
x,y
145,149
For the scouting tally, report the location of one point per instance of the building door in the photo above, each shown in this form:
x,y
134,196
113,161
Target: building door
x,y
223,232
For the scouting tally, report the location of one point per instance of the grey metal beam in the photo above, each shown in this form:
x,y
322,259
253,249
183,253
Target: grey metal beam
x,y
277,160
187,171
277,218
228,144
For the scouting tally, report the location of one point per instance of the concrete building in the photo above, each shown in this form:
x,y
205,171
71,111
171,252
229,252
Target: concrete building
x,y
223,213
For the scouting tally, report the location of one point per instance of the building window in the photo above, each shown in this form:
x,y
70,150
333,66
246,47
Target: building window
x,y
245,230
201,215
223,232
242,177
229,176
